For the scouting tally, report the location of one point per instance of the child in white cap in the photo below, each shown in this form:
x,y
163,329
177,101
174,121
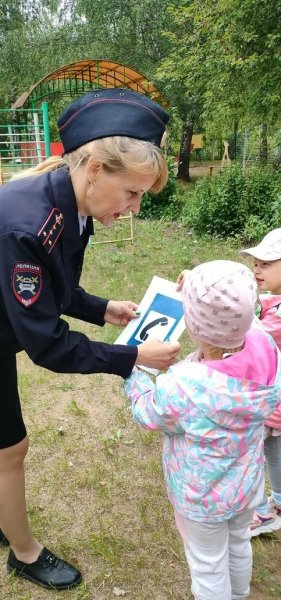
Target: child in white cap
x,y
211,408
267,271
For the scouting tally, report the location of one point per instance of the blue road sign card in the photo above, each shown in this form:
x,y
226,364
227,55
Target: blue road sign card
x,y
161,316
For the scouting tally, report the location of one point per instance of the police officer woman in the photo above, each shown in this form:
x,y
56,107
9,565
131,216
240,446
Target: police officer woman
x,y
111,142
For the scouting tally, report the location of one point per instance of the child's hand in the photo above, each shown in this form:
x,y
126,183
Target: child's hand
x,y
180,279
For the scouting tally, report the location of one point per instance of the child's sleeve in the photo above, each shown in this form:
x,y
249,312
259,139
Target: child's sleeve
x,y
154,405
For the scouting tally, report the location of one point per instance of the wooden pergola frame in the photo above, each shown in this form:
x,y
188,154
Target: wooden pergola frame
x,y
83,76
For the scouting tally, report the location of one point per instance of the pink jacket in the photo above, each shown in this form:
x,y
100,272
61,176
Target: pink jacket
x,y
270,317
213,423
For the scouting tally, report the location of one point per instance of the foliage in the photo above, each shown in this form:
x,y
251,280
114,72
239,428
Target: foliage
x,y
38,36
218,204
226,56
259,192
218,62
174,69
255,228
165,204
236,202
127,31
173,72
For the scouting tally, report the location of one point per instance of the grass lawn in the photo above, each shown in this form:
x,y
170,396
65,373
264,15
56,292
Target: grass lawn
x,y
95,489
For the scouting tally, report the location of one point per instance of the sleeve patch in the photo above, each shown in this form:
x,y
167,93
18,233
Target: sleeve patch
x,y
51,230
26,282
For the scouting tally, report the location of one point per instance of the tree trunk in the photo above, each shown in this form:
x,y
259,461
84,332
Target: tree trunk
x,y
234,143
263,145
184,156
245,149
213,144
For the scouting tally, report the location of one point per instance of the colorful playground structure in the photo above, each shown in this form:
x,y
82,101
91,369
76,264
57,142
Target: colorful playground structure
x,y
24,139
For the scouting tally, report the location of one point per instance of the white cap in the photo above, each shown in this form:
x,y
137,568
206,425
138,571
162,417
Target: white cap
x,y
269,248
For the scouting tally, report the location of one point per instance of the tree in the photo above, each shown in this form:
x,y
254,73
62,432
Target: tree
x,y
24,32
226,53
56,32
174,72
127,32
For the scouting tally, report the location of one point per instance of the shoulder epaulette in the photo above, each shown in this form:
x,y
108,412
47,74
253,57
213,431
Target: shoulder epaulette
x,y
51,230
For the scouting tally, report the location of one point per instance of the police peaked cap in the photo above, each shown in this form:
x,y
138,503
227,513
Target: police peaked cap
x,y
110,112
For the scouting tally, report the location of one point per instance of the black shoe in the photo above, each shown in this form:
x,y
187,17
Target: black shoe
x,y
3,540
48,570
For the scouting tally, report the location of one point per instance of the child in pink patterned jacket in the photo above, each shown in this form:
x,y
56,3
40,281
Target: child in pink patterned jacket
x,y
211,408
267,271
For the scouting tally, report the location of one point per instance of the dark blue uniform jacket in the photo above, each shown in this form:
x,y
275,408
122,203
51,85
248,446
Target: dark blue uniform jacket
x,y
41,257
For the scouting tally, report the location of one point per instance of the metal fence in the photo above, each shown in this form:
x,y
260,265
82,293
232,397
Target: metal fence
x,y
24,139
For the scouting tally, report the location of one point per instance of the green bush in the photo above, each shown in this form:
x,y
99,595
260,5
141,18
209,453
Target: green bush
x,y
255,228
165,204
218,204
259,190
236,202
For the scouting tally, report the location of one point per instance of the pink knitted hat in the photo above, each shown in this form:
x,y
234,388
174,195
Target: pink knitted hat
x,y
219,300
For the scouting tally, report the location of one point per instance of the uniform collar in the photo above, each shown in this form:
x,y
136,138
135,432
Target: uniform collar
x,y
82,223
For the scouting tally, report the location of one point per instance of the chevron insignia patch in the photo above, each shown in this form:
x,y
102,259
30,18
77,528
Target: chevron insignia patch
x,y
26,282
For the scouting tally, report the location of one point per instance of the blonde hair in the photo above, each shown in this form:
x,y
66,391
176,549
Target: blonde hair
x,y
116,154
215,353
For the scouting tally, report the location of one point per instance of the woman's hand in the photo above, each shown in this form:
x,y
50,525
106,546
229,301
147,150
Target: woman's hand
x,y
120,313
180,279
157,355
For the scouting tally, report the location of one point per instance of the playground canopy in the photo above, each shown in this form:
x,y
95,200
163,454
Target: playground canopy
x,y
82,76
